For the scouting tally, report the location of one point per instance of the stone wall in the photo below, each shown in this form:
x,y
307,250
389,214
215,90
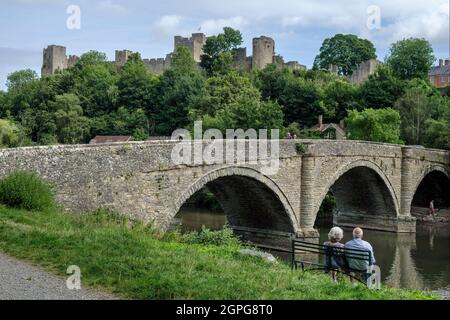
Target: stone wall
x,y
263,52
54,59
140,180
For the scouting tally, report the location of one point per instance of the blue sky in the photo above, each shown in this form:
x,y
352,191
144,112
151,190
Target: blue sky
x,y
298,26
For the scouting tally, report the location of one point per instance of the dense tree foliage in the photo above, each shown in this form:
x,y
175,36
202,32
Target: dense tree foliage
x,y
411,58
231,101
419,104
95,98
218,51
381,125
382,89
345,51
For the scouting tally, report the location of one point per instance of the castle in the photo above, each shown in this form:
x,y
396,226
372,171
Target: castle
x,y
55,57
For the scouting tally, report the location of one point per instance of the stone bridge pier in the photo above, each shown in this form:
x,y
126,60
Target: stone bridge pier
x,y
374,184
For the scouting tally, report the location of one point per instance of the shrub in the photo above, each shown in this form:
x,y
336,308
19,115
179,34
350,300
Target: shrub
x,y
26,190
224,237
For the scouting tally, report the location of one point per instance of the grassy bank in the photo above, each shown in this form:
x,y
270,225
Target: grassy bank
x,y
136,263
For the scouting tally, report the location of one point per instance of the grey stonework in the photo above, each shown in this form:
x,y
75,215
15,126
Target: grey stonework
x,y
374,183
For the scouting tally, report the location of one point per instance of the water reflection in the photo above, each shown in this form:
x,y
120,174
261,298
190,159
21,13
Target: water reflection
x,y
412,261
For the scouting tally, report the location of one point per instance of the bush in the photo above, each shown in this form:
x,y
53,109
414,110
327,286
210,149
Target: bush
x,y
224,237
26,190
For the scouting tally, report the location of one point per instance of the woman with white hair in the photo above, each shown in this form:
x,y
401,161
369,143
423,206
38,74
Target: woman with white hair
x,y
334,259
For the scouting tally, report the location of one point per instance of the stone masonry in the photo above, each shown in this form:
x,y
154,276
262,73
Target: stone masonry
x,y
55,58
374,184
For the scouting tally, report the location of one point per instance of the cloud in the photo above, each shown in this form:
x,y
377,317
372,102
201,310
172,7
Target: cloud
x,y
214,26
109,7
169,24
431,24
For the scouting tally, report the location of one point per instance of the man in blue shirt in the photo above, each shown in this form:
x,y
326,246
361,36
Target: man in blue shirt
x,y
359,244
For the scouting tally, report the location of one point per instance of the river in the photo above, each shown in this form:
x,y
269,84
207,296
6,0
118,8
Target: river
x,y
410,261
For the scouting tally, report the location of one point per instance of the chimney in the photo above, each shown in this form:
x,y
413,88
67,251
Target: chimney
x,y
441,62
320,122
342,124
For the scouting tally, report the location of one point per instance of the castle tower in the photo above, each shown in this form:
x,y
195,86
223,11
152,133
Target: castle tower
x,y
195,44
122,57
263,52
54,59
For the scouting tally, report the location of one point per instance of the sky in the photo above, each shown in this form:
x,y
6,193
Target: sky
x,y
297,26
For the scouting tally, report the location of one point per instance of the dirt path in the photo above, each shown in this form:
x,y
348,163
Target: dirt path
x,y
22,281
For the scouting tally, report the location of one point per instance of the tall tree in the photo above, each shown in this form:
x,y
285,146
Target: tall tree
x,y
136,85
95,83
411,58
230,102
302,102
218,50
419,103
345,51
71,126
382,89
339,97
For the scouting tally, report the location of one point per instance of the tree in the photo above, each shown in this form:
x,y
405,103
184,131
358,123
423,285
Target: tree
x,y
10,135
437,133
122,122
183,61
339,97
95,84
419,103
302,102
230,102
345,51
272,81
382,125
71,126
177,90
18,80
218,50
411,58
136,85
382,89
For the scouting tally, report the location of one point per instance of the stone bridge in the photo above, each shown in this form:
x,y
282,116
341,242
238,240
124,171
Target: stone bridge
x,y
374,184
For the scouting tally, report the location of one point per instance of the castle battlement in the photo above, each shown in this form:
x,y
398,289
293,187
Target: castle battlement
x,y
55,58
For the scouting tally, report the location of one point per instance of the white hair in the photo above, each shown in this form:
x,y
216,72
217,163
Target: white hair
x,y
336,234
358,233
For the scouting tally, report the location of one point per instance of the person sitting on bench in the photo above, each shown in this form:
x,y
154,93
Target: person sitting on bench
x,y
358,243
334,261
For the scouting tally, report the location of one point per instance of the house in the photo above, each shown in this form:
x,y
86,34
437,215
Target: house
x,y
440,75
110,139
331,131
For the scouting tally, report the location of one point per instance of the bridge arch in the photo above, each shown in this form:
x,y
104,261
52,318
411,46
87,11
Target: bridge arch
x,y
248,198
432,184
362,188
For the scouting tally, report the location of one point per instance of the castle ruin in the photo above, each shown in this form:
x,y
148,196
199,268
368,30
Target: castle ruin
x,y
362,71
55,58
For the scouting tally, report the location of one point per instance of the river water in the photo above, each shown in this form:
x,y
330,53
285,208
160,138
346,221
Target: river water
x,y
409,261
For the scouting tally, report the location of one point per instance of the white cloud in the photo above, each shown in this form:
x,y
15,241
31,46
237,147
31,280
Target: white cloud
x,y
431,24
215,26
108,6
169,24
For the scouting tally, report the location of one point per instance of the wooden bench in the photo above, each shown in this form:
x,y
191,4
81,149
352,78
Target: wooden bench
x,y
300,248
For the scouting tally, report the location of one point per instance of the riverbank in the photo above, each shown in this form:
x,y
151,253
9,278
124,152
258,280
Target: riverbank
x,y
135,262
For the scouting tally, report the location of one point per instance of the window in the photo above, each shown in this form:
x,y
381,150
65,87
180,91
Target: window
x,y
432,79
443,78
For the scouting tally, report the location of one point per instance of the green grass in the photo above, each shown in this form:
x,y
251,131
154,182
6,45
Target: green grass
x,y
135,263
